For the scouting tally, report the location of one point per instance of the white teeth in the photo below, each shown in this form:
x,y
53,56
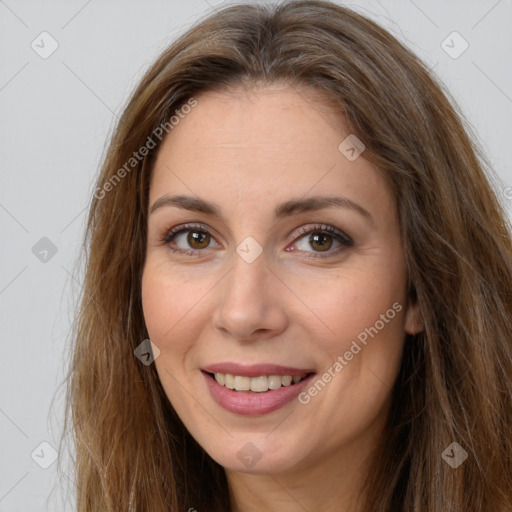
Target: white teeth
x,y
242,383
229,381
274,381
286,380
257,384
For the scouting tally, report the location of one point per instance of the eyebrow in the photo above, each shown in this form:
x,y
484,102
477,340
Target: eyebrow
x,y
288,208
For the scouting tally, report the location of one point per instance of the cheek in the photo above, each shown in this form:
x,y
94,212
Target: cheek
x,y
372,349
166,301
356,305
174,315
156,301
361,354
176,309
165,306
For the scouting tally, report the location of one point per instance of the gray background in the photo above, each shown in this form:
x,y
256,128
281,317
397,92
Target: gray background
x,y
56,114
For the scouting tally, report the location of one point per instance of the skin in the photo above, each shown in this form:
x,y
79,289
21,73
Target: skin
x,y
249,150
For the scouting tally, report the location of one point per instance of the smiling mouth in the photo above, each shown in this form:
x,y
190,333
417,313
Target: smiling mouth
x,y
260,384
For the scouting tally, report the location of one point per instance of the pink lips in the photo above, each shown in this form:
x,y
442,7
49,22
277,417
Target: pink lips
x,y
255,370
250,403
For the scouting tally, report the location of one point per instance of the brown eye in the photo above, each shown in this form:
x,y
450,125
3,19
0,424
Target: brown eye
x,y
320,241
198,239
189,239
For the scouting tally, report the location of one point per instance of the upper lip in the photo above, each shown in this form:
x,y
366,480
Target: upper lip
x,y
255,370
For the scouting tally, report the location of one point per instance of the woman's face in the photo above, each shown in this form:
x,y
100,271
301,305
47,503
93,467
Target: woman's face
x,y
284,260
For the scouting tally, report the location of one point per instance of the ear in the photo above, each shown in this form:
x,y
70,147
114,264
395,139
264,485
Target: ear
x,y
413,318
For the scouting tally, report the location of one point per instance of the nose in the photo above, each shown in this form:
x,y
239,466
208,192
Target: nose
x,y
251,301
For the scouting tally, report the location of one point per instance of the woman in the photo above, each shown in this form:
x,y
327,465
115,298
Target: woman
x,y
293,213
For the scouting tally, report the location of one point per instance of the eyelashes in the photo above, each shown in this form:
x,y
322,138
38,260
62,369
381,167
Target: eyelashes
x,y
322,236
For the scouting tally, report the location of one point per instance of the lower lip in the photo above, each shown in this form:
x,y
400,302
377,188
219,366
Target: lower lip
x,y
254,404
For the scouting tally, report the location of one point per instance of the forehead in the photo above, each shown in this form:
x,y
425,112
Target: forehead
x,y
255,117
260,143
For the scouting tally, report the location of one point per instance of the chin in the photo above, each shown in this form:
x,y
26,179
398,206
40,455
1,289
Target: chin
x,y
253,455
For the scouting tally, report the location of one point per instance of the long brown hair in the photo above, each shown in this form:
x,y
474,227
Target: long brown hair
x,y
455,382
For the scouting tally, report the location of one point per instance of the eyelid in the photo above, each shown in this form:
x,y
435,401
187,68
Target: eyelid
x,y
317,228
169,234
343,239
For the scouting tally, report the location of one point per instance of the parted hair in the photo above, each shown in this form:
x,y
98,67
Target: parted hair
x,y
132,452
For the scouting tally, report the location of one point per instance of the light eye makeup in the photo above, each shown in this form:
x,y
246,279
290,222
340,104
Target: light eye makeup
x,y
195,238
